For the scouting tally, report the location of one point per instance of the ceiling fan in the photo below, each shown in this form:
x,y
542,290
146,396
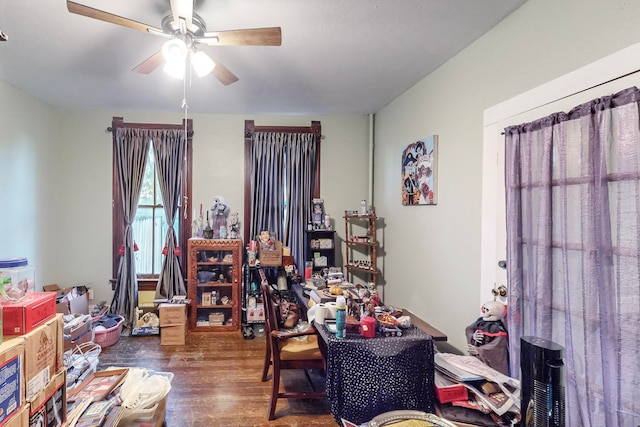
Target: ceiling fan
x,y
186,31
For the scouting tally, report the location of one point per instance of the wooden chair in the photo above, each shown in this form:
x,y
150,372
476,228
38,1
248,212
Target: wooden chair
x,y
283,352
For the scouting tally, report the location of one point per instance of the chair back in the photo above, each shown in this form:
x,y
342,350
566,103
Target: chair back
x,y
283,351
270,307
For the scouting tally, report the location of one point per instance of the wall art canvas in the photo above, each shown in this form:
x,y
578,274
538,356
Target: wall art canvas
x,y
420,172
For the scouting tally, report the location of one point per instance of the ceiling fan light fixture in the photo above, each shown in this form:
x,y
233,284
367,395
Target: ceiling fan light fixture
x,y
174,50
202,63
174,69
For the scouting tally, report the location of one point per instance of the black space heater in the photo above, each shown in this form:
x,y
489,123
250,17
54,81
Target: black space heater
x,y
542,385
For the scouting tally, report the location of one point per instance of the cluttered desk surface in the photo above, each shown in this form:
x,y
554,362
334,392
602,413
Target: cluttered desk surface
x,y
436,335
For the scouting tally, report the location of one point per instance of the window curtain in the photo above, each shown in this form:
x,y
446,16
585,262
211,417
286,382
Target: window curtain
x,y
573,251
300,173
283,168
131,158
169,146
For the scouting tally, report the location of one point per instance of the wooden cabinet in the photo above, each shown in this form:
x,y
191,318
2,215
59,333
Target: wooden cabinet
x,y
322,243
213,284
361,247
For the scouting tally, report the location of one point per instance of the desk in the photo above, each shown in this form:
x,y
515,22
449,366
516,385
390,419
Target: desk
x,y
369,376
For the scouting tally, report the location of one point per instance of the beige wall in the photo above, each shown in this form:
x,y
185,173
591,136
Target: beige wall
x,y
432,261
28,202
62,183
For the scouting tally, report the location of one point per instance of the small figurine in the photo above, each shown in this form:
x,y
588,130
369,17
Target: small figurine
x,y
354,309
317,216
487,336
375,298
493,311
265,240
369,309
218,211
234,225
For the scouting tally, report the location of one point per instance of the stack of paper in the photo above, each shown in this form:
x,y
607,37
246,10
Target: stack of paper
x,y
487,390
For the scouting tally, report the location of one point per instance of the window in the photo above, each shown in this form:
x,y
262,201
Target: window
x,y
150,226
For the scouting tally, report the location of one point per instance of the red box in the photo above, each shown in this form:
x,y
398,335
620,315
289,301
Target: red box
x,y
24,316
451,393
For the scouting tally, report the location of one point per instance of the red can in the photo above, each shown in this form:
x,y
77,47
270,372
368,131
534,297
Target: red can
x,y
368,327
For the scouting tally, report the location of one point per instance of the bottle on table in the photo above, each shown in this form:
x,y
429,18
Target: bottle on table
x,y
341,317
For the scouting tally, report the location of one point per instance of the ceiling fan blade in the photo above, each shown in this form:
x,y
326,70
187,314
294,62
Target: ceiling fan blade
x,y
100,15
182,9
150,64
223,74
271,36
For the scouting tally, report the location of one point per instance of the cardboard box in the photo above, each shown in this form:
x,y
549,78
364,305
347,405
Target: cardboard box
x,y
11,378
206,298
447,391
24,316
19,419
147,322
74,300
271,257
42,355
172,314
49,407
216,319
173,335
78,334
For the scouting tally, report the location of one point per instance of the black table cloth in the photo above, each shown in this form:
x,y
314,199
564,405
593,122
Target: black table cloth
x,y
370,376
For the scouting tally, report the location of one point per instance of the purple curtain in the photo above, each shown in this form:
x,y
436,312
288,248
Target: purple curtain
x,y
573,251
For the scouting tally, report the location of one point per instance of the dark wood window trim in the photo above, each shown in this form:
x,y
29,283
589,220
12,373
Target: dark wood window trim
x,y
149,283
249,129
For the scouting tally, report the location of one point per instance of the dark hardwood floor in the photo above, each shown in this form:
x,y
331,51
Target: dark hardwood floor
x,y
217,381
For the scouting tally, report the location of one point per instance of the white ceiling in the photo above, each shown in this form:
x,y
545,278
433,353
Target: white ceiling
x,y
337,56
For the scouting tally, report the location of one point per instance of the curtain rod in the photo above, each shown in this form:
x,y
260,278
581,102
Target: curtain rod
x,y
630,73
110,129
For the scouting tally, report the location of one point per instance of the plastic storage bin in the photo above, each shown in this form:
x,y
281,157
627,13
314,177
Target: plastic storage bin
x,y
152,416
17,278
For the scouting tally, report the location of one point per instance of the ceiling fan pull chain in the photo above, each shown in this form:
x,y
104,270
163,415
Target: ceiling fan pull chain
x,y
185,106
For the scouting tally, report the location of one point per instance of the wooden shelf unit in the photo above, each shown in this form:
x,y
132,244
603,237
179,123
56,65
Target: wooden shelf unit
x,y
222,259
361,249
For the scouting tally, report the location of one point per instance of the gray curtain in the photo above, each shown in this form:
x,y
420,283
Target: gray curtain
x,y
573,251
283,167
131,158
169,146
300,173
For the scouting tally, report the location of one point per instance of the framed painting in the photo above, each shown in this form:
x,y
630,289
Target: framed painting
x,y
98,386
419,184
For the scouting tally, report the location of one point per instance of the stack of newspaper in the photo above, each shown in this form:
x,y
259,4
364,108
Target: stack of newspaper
x,y
492,398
